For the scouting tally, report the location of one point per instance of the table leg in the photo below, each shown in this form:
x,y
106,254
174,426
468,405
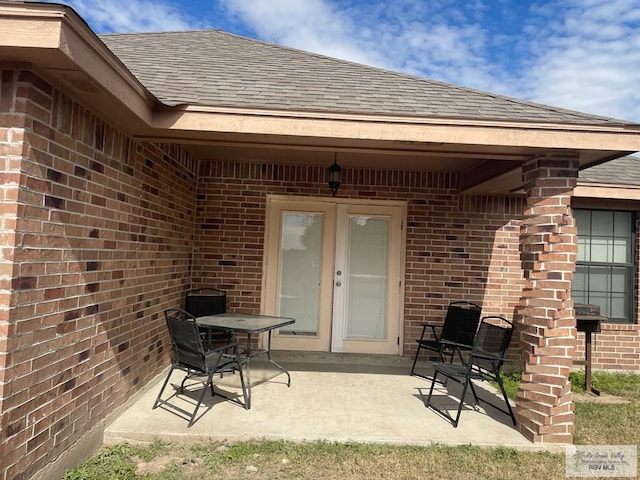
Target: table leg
x,y
276,363
247,360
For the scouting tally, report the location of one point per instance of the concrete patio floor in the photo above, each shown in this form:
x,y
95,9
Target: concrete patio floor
x,y
333,397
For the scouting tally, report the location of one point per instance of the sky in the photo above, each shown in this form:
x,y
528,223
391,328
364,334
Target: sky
x,y
578,54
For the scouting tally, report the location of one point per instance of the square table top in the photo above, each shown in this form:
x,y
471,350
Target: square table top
x,y
244,322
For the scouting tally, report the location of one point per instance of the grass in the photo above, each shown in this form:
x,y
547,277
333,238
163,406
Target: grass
x,y
316,460
596,423
600,423
611,424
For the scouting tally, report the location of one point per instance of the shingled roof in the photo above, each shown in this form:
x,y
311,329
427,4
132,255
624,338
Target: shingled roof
x,y
622,171
215,68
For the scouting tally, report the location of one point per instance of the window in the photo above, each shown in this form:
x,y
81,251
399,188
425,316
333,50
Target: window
x,y
605,267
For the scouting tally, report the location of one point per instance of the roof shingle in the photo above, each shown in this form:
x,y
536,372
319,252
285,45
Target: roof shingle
x,y
623,171
214,68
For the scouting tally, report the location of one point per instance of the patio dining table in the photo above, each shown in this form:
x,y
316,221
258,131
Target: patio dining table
x,y
249,324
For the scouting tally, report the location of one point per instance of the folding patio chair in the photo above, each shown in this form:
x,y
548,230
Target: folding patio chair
x,y
191,356
201,302
459,329
484,364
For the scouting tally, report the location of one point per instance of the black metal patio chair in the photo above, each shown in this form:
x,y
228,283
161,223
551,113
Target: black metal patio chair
x,y
191,356
484,364
201,302
457,333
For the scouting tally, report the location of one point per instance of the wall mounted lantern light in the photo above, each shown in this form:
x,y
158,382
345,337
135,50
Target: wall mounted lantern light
x,y
334,176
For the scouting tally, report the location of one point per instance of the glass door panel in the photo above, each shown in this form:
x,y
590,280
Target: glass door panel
x,y
366,277
299,271
366,295
298,277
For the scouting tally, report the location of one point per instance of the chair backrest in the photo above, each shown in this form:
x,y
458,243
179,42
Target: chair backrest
x,y
493,338
205,301
461,322
185,339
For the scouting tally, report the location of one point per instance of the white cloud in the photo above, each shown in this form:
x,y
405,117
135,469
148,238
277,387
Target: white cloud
x,y
427,39
311,25
133,15
588,59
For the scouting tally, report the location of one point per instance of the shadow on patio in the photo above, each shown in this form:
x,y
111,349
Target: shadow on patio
x,y
333,397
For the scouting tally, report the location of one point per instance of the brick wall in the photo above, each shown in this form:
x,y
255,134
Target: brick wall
x,y
458,246
617,347
95,244
455,249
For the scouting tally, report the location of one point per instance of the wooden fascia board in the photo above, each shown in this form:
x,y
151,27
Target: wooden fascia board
x,y
92,56
430,131
71,47
19,30
608,191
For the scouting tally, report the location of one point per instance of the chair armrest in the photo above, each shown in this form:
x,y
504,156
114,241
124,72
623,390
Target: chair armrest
x,y
433,330
224,348
487,356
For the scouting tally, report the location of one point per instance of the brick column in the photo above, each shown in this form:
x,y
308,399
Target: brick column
x,y
548,248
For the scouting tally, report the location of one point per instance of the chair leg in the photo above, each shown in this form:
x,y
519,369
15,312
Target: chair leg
x,y
459,355
433,383
476,399
204,390
453,354
186,377
438,410
506,399
464,393
415,360
164,384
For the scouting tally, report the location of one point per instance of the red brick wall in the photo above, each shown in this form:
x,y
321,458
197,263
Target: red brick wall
x,y
458,246
455,250
617,347
100,233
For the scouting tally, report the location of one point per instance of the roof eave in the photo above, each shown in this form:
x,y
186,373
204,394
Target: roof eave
x,y
193,118
57,44
607,191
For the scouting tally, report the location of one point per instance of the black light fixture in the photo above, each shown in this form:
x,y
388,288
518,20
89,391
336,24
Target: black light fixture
x,y
334,176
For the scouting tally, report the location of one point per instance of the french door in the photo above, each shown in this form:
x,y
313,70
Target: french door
x,y
336,268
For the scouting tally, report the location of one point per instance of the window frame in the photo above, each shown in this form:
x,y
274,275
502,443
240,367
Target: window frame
x,y
630,266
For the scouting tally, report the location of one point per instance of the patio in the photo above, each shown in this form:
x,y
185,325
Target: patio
x,y
333,397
